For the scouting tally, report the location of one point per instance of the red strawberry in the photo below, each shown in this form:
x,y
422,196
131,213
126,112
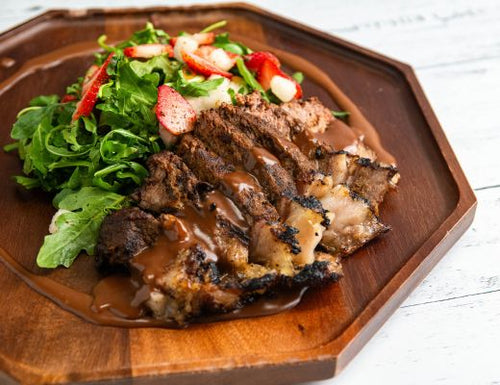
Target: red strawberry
x,y
206,50
68,98
175,114
203,66
268,70
201,38
255,60
204,38
88,76
147,51
90,90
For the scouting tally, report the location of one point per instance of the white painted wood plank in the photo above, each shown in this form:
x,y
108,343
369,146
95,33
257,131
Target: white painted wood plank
x,y
452,342
465,97
472,266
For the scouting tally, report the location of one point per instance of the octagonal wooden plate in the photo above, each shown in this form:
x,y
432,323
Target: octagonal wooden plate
x,y
41,343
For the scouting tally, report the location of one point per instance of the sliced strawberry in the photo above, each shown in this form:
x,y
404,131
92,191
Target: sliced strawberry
x,y
146,51
68,98
266,73
90,90
202,66
175,114
298,94
88,76
224,60
204,38
255,60
204,51
201,38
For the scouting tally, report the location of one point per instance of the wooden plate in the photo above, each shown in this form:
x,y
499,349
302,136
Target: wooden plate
x,y
41,343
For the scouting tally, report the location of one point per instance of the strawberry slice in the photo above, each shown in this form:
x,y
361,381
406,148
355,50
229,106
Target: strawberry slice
x,y
223,60
255,60
201,38
268,70
68,98
146,51
202,66
204,38
88,75
90,90
175,114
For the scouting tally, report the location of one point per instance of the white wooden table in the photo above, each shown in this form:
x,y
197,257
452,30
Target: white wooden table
x,y
448,330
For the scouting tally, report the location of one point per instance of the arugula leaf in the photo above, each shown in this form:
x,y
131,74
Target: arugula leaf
x,y
195,87
298,77
341,114
249,78
149,35
78,225
44,100
27,183
11,147
214,26
222,41
28,120
159,64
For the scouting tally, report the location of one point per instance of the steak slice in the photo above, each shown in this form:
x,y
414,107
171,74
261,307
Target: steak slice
x,y
124,234
367,179
232,144
268,134
170,184
241,187
353,221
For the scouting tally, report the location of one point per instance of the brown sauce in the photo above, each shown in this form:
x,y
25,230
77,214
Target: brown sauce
x,y
238,181
105,308
189,227
338,134
259,156
121,295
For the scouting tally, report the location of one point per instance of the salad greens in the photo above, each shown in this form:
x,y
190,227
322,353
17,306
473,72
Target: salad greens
x,y
93,162
77,224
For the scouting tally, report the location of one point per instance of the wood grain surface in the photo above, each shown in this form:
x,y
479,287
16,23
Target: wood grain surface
x,y
356,313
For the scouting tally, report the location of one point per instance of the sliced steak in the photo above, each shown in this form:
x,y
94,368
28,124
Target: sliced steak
x,y
170,184
232,144
364,177
241,187
268,134
124,234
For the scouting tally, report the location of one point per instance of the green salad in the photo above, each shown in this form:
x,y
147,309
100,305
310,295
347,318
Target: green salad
x,y
89,146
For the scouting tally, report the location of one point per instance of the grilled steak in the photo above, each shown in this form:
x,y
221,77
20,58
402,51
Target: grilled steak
x,y
231,143
124,234
244,205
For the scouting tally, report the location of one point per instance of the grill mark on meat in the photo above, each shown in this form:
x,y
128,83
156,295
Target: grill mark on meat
x,y
170,184
269,134
364,177
124,234
244,191
232,144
